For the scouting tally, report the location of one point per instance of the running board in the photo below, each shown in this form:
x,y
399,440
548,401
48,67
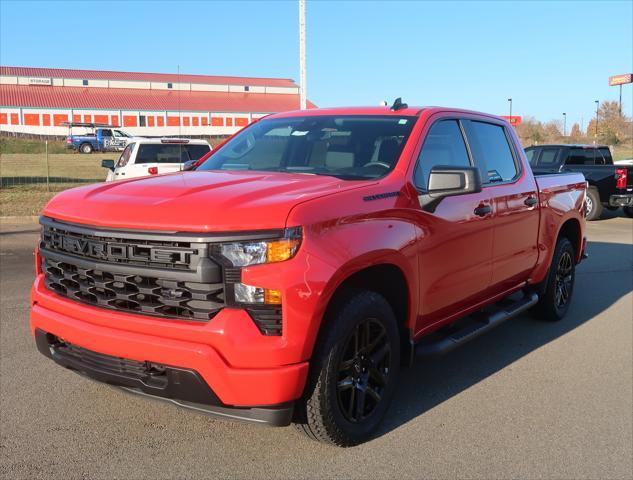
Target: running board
x,y
478,327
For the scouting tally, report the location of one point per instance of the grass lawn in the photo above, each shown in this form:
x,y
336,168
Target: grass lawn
x,y
26,200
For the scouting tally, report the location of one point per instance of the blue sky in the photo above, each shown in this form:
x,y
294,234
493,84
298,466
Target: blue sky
x,y
550,57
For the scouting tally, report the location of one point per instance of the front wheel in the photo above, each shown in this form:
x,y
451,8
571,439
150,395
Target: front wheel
x,y
558,287
354,372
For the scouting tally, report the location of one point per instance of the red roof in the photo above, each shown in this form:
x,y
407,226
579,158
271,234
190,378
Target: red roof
x,y
136,99
144,77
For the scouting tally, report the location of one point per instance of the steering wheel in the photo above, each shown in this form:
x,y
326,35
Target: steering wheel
x,y
380,164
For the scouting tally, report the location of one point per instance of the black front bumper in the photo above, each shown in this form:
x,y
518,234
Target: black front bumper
x,y
180,386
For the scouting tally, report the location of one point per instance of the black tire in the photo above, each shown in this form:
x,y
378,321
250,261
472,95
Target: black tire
x,y
558,287
628,211
594,207
350,387
85,148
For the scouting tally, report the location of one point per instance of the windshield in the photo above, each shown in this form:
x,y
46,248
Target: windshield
x,y
347,147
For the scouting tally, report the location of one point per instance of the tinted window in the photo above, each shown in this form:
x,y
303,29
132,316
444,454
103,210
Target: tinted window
x,y
141,121
170,153
106,132
605,153
548,157
348,147
581,156
443,145
493,154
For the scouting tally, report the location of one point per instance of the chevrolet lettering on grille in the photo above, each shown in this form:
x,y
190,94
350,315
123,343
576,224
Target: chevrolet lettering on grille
x,y
115,251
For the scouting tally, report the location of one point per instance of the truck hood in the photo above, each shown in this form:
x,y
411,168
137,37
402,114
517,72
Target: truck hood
x,y
204,201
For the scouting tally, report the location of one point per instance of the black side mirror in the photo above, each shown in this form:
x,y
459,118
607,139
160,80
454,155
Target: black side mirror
x,y
449,181
109,164
189,165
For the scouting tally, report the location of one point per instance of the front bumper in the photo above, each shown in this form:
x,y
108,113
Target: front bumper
x,y
625,200
180,386
210,350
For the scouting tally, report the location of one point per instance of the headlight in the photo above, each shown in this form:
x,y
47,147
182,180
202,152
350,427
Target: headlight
x,y
242,254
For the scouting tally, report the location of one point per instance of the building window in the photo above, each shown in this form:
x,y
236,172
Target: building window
x,y
247,88
85,83
141,121
170,85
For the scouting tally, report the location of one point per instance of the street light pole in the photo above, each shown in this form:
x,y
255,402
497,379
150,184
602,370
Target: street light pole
x,y
597,105
564,124
510,100
302,55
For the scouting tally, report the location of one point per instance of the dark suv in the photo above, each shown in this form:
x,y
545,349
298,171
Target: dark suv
x,y
610,185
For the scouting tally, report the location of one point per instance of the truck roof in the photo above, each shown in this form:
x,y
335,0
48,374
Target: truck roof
x,y
574,145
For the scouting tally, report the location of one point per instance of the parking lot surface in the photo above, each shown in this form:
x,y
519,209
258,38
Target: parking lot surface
x,y
528,400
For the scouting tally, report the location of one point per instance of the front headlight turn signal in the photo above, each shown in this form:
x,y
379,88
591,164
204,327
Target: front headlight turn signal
x,y
243,254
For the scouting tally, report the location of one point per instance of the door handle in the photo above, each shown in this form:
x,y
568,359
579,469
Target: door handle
x,y
530,201
483,210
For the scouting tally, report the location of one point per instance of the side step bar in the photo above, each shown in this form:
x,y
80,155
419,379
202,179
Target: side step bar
x,y
476,328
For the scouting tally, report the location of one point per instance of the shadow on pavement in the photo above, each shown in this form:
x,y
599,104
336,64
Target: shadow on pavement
x,y
432,381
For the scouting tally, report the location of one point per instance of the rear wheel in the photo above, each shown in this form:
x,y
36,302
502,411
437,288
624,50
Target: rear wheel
x,y
628,211
354,372
557,290
594,207
85,148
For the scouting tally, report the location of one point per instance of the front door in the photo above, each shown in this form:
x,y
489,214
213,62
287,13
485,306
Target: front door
x,y
455,237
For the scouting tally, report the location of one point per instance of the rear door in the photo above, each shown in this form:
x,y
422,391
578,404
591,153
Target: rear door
x,y
514,195
455,237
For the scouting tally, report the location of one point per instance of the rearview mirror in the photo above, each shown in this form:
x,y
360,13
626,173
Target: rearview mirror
x,y
449,181
109,164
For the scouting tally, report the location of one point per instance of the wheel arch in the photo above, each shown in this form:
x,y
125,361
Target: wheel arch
x,y
571,230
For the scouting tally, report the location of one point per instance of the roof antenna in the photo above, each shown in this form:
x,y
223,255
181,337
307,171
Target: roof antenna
x,y
398,105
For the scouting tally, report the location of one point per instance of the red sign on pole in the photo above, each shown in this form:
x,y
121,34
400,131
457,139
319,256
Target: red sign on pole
x,y
621,79
514,119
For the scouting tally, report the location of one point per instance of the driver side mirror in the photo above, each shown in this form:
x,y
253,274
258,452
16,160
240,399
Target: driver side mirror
x,y
109,164
449,181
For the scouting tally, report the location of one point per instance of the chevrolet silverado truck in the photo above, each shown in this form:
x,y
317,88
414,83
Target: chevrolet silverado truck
x,y
296,268
610,185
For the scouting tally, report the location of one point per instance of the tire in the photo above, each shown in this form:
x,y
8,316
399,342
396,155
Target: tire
x,y
628,211
85,148
557,289
348,394
594,207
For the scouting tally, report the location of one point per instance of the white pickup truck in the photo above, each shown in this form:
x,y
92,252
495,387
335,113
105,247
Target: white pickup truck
x,y
143,157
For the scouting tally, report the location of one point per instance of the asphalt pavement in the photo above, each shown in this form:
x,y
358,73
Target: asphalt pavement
x,y
528,400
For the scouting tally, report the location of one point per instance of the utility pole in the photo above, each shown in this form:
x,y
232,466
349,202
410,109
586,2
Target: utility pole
x,y
510,100
597,105
302,55
564,124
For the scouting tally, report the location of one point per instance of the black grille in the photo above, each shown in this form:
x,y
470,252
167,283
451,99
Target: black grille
x,y
120,250
121,366
143,294
267,319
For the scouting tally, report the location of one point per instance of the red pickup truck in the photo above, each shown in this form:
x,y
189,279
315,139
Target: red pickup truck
x,y
290,275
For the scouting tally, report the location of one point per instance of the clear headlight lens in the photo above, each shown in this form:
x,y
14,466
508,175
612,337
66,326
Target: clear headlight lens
x,y
242,254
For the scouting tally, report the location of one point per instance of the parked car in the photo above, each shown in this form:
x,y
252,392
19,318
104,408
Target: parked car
x,y
610,185
101,139
151,156
291,274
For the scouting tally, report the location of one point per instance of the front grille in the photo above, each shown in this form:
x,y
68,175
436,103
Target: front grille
x,y
143,294
121,366
118,249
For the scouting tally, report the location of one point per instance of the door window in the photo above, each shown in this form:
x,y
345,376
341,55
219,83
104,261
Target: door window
x,y
548,157
492,152
444,145
106,132
581,156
